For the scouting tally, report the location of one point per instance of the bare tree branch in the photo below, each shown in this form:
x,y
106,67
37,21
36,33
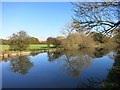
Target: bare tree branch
x,y
97,15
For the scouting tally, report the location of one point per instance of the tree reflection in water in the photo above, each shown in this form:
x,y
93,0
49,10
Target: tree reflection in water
x,y
72,63
20,64
54,55
91,83
100,52
112,80
74,60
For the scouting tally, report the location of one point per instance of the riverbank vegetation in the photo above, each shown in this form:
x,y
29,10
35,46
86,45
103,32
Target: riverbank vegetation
x,y
21,41
74,40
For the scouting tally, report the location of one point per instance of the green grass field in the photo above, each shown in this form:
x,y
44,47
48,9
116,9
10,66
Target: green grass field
x,y
31,47
4,47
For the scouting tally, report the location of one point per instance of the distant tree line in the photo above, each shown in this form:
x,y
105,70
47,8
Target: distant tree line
x,y
32,40
55,41
19,41
4,41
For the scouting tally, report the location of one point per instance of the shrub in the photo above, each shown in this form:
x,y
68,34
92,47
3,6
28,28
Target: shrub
x,y
76,41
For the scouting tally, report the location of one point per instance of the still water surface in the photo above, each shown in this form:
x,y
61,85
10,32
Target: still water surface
x,y
60,69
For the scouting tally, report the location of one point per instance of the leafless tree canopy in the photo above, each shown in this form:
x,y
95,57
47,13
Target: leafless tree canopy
x,y
100,16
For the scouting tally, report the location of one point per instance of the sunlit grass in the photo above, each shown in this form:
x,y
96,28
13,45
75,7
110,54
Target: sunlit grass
x,y
31,47
4,47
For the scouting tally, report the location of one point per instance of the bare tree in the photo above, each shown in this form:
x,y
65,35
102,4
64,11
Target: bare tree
x,y
99,16
67,30
73,27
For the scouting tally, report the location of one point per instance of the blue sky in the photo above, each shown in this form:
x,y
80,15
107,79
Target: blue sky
x,y
38,19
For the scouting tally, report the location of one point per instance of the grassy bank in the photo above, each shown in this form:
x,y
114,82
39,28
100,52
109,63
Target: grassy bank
x,y
31,47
